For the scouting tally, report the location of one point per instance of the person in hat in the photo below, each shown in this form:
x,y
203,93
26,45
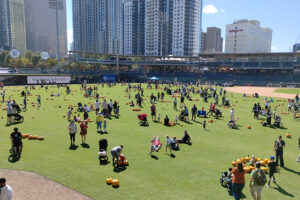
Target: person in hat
x,y
272,169
16,139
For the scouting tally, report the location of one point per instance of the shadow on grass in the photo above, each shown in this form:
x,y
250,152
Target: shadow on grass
x,y
172,155
282,191
102,132
291,170
85,145
154,157
119,169
104,162
13,158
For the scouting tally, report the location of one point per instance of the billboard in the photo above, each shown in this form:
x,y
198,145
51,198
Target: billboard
x,y
48,79
109,77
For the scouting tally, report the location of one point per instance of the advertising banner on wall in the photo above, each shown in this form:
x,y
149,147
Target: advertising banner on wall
x,y
48,79
109,77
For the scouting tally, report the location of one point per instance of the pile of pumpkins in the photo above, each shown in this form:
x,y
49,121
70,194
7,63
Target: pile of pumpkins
x,y
32,137
263,162
113,182
136,109
122,161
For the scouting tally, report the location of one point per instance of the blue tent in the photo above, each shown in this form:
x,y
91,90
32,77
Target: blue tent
x,y
154,78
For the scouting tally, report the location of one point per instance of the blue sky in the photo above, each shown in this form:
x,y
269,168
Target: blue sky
x,y
282,16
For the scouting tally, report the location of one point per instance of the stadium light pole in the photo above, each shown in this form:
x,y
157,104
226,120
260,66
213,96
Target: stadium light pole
x,y
57,34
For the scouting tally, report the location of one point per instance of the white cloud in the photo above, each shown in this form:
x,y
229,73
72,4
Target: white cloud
x,y
70,36
273,48
222,10
210,9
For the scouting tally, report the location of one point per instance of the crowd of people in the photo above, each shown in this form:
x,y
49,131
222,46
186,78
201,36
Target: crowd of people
x,y
103,110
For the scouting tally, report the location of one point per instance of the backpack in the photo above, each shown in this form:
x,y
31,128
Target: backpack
x,y
261,178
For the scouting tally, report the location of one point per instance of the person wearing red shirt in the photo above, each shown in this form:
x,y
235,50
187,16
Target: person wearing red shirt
x,y
238,181
153,112
83,132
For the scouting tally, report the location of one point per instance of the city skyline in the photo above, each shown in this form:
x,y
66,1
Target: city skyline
x,y
217,13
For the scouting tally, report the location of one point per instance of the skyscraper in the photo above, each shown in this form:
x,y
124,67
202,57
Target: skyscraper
x,y
186,27
172,27
12,25
134,27
40,19
246,36
98,26
158,27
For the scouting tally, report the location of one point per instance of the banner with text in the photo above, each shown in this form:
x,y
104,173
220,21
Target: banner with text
x,y
48,79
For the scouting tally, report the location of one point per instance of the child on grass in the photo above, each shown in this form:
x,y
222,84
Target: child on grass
x,y
204,125
272,169
104,125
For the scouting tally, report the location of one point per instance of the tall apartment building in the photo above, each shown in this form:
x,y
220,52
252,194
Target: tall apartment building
x,y
172,27
203,42
98,26
12,25
214,41
246,36
158,27
40,20
186,27
134,27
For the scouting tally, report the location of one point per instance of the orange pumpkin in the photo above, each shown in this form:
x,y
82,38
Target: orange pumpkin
x,y
288,135
267,161
234,163
115,183
248,127
243,160
265,169
125,162
25,135
246,169
247,159
262,162
109,181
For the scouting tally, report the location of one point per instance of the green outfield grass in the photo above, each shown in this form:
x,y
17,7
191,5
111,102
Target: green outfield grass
x,y
288,91
194,172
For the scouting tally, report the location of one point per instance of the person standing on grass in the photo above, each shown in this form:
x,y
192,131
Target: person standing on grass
x,y
3,96
6,192
175,104
39,101
83,131
238,181
232,113
257,182
168,145
104,125
194,112
25,103
153,112
97,106
70,113
10,112
272,169
278,147
72,131
99,120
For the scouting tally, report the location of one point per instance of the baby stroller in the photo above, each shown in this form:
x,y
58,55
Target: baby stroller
x,y
17,108
181,116
226,182
226,102
277,122
17,118
80,107
217,113
143,119
103,151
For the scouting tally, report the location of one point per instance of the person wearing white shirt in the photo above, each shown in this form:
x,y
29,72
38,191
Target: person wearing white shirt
x,y
97,106
232,113
104,104
5,190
